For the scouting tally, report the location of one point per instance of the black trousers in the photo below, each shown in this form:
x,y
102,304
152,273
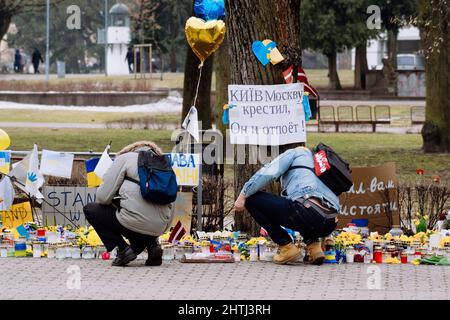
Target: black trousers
x,y
111,232
272,212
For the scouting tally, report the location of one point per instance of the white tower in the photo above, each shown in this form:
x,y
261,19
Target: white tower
x,y
118,37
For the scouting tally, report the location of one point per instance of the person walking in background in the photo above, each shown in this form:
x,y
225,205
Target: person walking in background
x,y
133,217
23,60
17,61
130,59
36,59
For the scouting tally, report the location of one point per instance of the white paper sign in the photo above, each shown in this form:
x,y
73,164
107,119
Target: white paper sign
x,y
186,167
57,164
267,115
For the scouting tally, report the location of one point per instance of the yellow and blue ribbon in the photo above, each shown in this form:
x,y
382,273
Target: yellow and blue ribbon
x,y
307,107
226,114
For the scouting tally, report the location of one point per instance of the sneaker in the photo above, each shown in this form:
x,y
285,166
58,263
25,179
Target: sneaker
x,y
124,257
287,254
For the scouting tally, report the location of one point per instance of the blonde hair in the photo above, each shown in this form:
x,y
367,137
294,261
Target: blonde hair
x,y
141,145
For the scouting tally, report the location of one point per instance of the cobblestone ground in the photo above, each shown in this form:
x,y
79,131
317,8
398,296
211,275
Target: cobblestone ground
x,y
30,278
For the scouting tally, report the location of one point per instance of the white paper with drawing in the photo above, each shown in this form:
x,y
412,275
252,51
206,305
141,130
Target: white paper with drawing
x,y
267,115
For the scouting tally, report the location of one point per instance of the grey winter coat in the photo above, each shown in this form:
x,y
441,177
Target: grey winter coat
x,y
136,213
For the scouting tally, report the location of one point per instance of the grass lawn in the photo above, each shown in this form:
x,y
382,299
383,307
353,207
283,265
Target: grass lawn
x,y
358,149
318,78
12,115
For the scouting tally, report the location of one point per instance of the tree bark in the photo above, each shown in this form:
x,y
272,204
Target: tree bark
x,y
248,21
334,83
392,47
173,56
436,131
191,75
222,71
5,21
361,67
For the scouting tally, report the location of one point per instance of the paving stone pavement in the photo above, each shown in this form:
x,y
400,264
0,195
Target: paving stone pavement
x,y
29,278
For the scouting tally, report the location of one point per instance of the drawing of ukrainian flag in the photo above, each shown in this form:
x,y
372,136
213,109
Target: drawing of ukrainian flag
x,y
93,180
5,161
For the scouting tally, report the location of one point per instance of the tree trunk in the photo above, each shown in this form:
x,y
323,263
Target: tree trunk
x,y
392,47
248,21
191,75
222,71
173,56
335,83
436,131
5,21
361,67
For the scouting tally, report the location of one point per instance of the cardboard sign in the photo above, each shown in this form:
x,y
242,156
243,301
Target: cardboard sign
x,y
17,215
183,210
186,167
373,197
68,200
267,115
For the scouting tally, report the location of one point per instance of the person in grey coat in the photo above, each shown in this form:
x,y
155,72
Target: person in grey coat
x,y
120,211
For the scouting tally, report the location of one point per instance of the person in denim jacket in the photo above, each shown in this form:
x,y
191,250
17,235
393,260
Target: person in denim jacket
x,y
306,205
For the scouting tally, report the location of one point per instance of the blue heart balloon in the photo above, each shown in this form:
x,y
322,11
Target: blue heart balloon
x,y
209,9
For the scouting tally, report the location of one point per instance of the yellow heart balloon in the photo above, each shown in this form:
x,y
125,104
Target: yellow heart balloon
x,y
4,140
204,37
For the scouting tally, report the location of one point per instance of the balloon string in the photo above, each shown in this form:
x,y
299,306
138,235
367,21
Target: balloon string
x,y
198,85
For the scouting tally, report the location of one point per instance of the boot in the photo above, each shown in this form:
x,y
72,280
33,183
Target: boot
x,y
286,254
315,253
155,253
124,257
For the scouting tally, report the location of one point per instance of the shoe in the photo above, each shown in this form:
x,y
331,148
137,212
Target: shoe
x,y
154,256
124,257
287,254
315,254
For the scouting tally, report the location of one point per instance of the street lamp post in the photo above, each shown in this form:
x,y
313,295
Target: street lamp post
x,y
106,37
47,51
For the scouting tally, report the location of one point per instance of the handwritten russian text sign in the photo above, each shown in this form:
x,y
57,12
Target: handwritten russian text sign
x,y
267,115
373,197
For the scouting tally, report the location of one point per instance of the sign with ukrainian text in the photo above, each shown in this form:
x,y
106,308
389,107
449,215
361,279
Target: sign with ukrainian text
x,y
266,115
186,168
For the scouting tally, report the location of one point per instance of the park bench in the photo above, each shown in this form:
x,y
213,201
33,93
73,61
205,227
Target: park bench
x,y
417,115
345,115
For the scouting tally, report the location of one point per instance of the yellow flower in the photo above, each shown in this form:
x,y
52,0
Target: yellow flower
x,y
391,260
416,262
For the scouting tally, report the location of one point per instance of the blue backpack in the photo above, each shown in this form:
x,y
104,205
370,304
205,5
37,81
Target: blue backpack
x,y
157,179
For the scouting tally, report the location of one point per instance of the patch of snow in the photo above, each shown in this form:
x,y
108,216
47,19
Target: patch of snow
x,y
171,104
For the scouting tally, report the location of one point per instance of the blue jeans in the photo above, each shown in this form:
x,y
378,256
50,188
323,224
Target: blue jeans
x,y
271,212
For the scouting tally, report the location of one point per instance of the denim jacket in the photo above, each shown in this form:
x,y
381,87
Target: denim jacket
x,y
297,183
